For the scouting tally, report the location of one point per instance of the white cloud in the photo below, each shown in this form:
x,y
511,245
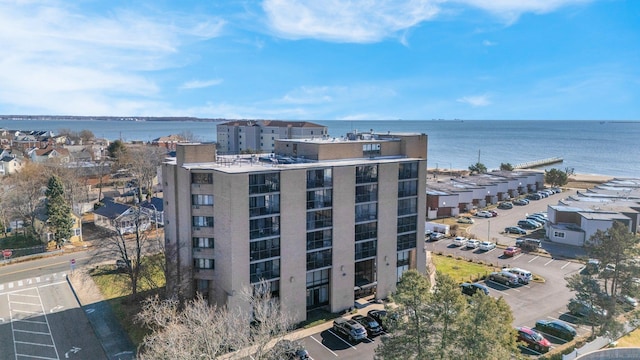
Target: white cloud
x,y
64,60
346,21
367,21
510,10
199,84
475,100
489,43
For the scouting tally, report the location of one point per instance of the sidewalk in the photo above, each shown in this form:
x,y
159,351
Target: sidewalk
x,y
115,341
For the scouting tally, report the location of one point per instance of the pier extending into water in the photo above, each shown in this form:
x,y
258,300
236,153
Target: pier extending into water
x,y
538,163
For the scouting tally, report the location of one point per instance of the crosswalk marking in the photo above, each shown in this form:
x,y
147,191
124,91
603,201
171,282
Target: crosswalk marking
x,y
26,283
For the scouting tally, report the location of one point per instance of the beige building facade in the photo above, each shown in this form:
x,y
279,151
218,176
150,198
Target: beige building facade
x,y
323,229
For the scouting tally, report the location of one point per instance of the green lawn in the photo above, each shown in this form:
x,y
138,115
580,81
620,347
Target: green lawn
x,y
460,269
17,241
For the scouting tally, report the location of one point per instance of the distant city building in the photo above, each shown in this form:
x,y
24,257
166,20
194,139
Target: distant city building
x,y
169,142
237,136
324,221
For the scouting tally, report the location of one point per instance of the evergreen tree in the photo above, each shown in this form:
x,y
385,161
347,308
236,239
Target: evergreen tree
x,y
556,177
59,216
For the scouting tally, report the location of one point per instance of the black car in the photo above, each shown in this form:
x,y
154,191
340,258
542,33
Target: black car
x,y
373,327
381,317
556,328
472,288
289,350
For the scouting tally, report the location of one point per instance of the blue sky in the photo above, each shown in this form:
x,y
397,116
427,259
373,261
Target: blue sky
x,y
322,60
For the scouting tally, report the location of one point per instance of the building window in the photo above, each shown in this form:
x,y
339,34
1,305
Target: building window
x,y
559,234
264,205
366,193
203,264
319,219
319,178
201,178
319,277
318,259
317,199
264,183
365,249
264,249
319,239
264,227
366,174
197,200
403,259
407,206
317,288
366,231
407,188
202,287
406,241
202,221
408,170
407,224
365,272
370,150
203,242
77,232
366,212
269,269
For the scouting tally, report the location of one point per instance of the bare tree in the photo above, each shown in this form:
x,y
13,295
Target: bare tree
x,y
198,330
27,192
143,163
128,241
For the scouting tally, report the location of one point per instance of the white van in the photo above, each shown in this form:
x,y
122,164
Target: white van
x,y
524,276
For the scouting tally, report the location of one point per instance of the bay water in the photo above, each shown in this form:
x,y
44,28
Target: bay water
x,y
588,147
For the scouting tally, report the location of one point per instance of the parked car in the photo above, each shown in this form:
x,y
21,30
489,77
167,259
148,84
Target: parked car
x,y
465,220
289,350
493,213
534,197
472,288
484,214
538,219
435,236
533,339
370,324
515,230
460,241
557,328
592,267
487,245
521,202
535,221
627,300
504,277
472,244
582,308
505,205
350,329
528,224
530,242
512,251
524,276
381,317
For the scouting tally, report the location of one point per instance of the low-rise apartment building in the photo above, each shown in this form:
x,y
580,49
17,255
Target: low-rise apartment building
x,y
339,219
237,136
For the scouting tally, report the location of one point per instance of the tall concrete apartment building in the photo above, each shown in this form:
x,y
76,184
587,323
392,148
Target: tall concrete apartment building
x,y
234,137
325,221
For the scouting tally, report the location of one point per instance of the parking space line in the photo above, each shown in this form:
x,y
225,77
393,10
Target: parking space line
x,y
341,339
32,332
565,265
537,256
547,335
33,344
549,262
517,256
30,321
316,340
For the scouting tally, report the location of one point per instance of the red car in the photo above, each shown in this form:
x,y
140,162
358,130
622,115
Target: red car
x,y
533,339
512,251
493,213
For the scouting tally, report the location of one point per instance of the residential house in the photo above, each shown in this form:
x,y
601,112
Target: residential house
x,y
10,164
120,217
48,154
42,227
169,142
154,208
